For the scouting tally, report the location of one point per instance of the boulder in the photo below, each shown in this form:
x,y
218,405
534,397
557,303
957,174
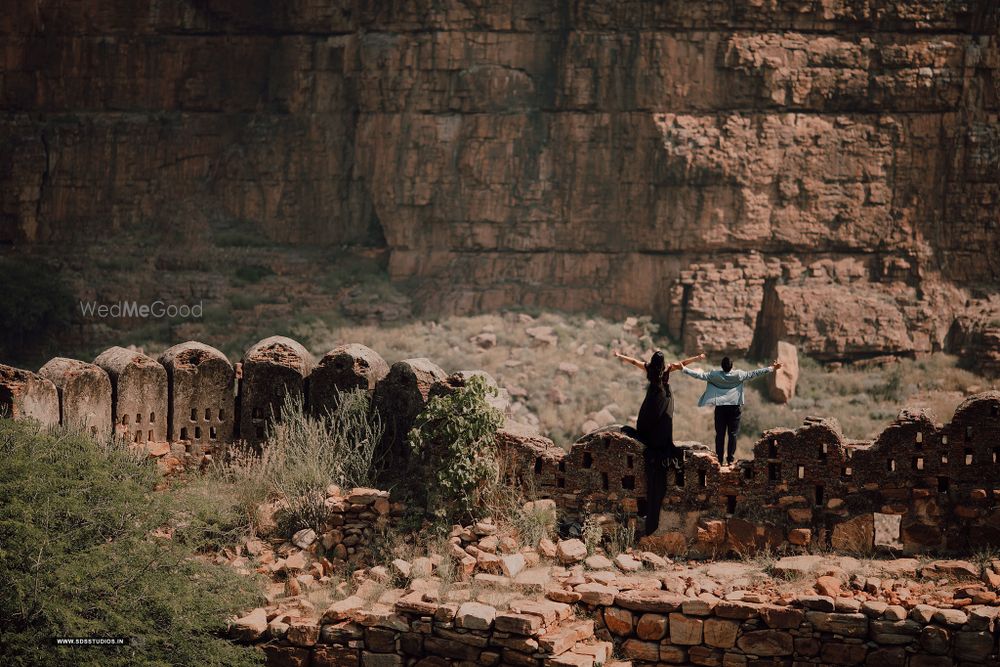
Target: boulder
x,y
781,383
571,551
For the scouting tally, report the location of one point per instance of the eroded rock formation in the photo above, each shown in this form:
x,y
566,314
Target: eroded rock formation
x,y
626,156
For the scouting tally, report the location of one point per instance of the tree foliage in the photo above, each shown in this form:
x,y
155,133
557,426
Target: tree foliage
x,y
80,555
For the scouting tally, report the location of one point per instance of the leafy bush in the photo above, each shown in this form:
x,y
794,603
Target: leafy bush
x,y
80,557
303,455
454,439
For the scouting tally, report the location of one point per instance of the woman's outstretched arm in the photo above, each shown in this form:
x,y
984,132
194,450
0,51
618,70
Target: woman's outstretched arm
x,y
678,365
630,360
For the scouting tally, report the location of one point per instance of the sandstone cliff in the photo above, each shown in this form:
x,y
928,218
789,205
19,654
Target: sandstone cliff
x,y
823,170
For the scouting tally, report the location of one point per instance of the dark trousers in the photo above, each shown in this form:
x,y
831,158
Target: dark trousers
x,y
727,420
656,488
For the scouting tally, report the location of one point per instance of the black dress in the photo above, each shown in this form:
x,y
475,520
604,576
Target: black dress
x,y
655,427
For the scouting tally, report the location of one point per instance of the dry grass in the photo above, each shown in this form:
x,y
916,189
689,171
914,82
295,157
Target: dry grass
x,y
864,400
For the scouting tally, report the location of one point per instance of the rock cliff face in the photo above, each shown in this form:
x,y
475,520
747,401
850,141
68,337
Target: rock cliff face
x,y
826,170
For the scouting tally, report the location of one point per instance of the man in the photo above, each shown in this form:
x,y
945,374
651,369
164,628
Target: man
x,y
724,390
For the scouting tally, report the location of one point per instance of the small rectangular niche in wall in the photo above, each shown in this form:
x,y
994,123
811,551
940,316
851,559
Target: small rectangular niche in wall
x,y
968,457
702,479
730,504
822,452
996,455
194,414
943,484
184,433
891,465
561,482
629,462
197,433
918,463
562,466
773,472
208,414
801,472
588,460
628,482
819,494
538,465
604,481
848,471
213,433
679,478
748,471
772,449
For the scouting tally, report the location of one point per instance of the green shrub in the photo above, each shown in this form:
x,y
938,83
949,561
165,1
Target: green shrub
x,y
79,557
454,439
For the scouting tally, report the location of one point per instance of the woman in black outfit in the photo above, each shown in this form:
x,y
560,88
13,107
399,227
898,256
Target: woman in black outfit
x,y
655,430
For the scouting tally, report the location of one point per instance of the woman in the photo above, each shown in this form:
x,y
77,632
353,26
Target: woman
x,y
655,429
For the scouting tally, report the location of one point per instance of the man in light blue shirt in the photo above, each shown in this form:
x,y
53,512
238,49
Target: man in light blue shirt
x,y
724,390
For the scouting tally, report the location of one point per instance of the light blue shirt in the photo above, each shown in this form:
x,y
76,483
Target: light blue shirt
x,y
724,388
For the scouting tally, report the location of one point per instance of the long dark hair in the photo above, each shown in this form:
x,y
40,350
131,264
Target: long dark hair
x,y
655,367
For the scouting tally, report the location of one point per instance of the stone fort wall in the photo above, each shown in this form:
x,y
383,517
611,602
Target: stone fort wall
x,y
919,486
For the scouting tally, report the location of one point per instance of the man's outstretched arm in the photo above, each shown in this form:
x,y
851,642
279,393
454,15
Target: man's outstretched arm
x,y
750,375
695,373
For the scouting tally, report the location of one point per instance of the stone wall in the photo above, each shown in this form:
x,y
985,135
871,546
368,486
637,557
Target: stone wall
x,y
647,625
919,486
536,152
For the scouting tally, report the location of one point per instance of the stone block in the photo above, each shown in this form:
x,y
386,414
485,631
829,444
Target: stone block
x,y
766,643
720,633
651,627
685,630
619,621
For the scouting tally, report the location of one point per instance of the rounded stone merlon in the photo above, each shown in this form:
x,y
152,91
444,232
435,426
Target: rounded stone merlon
x,y
500,400
202,393
401,395
85,394
274,368
345,367
280,351
139,390
25,395
984,405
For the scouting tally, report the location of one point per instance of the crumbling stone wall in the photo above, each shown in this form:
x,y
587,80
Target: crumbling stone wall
x,y
648,626
139,394
919,486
